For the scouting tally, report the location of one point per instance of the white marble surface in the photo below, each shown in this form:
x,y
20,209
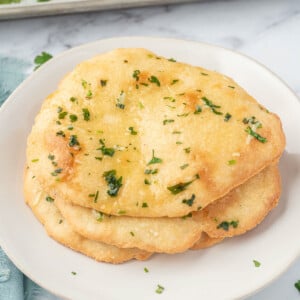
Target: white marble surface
x,y
267,30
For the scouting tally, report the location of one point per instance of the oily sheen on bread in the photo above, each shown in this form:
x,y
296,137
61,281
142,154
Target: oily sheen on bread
x,y
132,133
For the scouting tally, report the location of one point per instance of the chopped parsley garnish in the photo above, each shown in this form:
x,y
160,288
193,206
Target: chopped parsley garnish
x,y
146,181
35,160
174,81
73,142
106,151
189,215
84,83
73,273
132,233
99,215
144,84
49,199
167,121
231,162
42,58
120,101
170,98
204,74
136,74
154,160
86,114
89,94
51,156
141,105
189,201
60,133
297,285
132,131
60,221
146,270
103,82
255,135
73,118
73,99
178,143
252,120
154,80
187,150
149,171
56,172
159,289
225,225
212,106
176,132
181,186
256,263
61,115
183,115
98,158
114,183
145,204
96,197
230,86
122,212
171,60
227,117
198,109
184,166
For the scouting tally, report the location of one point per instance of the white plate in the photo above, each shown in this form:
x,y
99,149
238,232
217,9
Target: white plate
x,y
225,271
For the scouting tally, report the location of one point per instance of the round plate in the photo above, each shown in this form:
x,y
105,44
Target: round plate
x,y
225,271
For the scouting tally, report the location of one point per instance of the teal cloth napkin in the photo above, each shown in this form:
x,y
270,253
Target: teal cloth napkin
x,y
13,284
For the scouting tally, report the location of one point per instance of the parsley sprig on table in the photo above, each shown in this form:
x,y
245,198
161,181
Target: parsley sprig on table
x,y
41,59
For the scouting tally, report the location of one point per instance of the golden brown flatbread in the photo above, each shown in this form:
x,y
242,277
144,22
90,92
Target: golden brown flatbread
x,y
205,241
59,229
239,211
132,133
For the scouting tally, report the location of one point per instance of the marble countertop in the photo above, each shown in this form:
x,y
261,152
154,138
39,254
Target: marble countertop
x,y
267,30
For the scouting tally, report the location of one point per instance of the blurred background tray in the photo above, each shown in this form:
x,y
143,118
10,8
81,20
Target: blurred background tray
x,y
11,9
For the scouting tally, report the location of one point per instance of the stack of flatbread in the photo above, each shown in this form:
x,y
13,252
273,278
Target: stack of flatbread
x,y
135,153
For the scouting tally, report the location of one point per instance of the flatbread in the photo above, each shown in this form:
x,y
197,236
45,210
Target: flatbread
x,y
129,112
241,210
59,229
205,241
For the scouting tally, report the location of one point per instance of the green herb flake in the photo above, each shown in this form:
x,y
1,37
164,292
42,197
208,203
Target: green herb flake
x,y
103,82
256,263
146,270
231,162
179,187
60,221
171,60
297,285
132,131
73,99
159,289
136,74
96,197
62,115
225,225
145,204
132,233
256,135
73,118
73,273
89,94
189,215
179,143
147,182
84,83
204,74
150,171
60,133
198,110
183,115
212,106
154,80
106,151
86,114
49,199
35,160
184,166
122,212
187,150
73,142
168,121
51,156
98,158
154,160
174,81
120,100
230,86
227,117
41,58
189,201
114,183
176,132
